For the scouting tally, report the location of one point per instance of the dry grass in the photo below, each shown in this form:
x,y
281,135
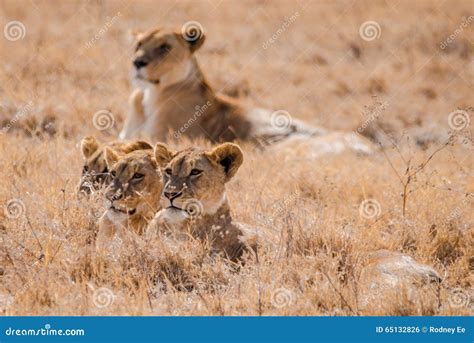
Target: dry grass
x,y
319,70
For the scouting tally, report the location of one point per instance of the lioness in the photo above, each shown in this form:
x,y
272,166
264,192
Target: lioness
x,y
134,193
95,172
194,197
174,98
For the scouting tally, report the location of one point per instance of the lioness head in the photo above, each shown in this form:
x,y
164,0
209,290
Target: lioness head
x,y
136,183
194,179
160,51
95,172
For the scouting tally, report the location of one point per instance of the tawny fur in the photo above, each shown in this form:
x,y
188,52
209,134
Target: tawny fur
x,y
194,200
133,194
174,98
95,173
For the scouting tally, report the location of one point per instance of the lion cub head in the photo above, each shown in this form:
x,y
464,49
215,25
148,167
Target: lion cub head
x,y
194,179
95,172
159,52
135,186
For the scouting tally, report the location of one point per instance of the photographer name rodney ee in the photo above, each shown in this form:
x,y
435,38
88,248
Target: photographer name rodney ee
x,y
442,329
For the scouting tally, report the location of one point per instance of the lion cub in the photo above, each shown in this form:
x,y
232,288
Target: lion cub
x,y
134,192
194,197
95,173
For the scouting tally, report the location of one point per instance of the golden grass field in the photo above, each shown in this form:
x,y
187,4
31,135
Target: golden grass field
x,y
72,59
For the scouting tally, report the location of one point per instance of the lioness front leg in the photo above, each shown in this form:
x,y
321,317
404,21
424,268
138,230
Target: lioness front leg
x,y
136,116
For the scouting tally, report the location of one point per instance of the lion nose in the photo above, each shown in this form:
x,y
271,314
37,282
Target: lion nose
x,y
138,63
172,195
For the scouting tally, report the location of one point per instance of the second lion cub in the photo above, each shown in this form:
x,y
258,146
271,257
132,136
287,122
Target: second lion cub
x,y
133,194
194,200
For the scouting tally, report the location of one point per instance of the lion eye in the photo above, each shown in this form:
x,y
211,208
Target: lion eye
x,y
164,48
138,176
195,172
113,173
168,171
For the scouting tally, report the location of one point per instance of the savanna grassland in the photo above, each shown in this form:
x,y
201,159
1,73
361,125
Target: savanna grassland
x,y
406,84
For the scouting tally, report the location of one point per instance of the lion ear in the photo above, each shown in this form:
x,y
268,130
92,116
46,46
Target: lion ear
x,y
111,157
135,35
196,44
163,154
194,37
137,145
229,156
89,146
